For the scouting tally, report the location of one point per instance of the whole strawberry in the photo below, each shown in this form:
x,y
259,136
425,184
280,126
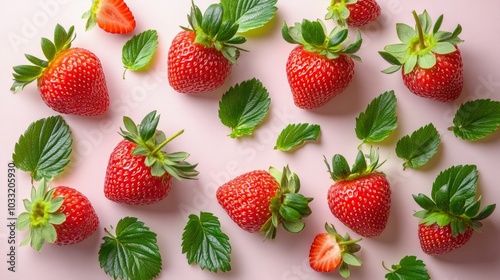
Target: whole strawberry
x,y
330,250
258,201
452,214
430,59
354,13
360,198
319,68
60,215
139,172
200,58
70,81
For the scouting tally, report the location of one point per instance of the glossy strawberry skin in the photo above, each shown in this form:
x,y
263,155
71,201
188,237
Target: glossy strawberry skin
x,y
129,181
443,82
325,253
437,240
74,83
363,12
246,199
314,80
81,218
362,204
194,68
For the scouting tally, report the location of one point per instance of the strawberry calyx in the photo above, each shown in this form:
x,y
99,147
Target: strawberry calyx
x,y
420,45
339,169
338,11
25,74
150,143
91,15
288,207
40,217
453,202
213,30
314,37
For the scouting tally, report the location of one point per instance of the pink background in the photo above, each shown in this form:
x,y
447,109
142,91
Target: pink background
x,y
222,158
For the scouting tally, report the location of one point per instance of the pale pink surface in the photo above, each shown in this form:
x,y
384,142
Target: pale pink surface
x,y
222,158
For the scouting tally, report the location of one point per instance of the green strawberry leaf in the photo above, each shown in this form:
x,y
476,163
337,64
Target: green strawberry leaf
x,y
294,135
133,253
44,148
455,181
314,34
419,147
476,119
249,14
378,120
205,244
138,51
409,268
243,107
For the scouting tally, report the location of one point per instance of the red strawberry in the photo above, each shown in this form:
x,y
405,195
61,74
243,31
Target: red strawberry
x,y
430,59
139,172
258,201
437,240
361,198
330,250
71,81
113,16
61,215
451,215
443,82
354,13
200,59
319,68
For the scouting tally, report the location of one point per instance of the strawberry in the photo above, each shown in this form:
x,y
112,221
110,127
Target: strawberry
x,y
70,81
354,13
430,59
60,215
319,68
330,250
360,198
451,215
200,59
139,172
113,16
260,200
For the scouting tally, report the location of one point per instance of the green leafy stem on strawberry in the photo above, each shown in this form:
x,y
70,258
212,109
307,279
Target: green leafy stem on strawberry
x,y
339,170
25,74
312,35
453,201
288,207
41,216
213,30
150,143
418,46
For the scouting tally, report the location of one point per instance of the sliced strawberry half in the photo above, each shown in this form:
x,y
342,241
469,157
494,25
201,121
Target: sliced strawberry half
x,y
113,16
329,250
325,253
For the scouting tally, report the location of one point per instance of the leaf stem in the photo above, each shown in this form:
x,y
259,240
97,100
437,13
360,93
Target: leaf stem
x,y
421,41
385,267
159,147
109,233
124,71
